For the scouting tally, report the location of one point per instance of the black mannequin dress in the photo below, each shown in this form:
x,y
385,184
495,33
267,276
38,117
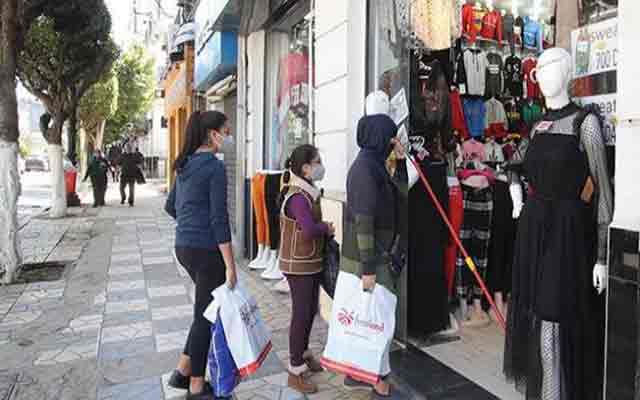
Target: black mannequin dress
x,y
555,312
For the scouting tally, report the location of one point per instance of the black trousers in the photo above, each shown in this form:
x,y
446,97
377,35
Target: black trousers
x,y
271,194
131,182
305,292
99,186
207,270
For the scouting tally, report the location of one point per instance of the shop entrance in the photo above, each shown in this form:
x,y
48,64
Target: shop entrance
x,y
468,74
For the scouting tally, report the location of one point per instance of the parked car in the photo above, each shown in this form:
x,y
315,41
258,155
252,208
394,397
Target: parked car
x,y
36,163
21,165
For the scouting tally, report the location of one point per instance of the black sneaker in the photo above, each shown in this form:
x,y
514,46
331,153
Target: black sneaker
x,y
122,201
352,384
206,394
179,381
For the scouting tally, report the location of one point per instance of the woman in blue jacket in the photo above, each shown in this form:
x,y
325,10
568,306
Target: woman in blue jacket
x,y
198,202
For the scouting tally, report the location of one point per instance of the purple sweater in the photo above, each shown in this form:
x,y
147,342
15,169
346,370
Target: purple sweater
x,y
298,209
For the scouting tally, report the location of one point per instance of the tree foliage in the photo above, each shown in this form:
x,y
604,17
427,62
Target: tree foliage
x,y
65,50
98,105
136,79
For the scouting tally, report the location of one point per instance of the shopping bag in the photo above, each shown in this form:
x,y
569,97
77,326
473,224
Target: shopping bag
x,y
247,335
222,367
361,330
331,266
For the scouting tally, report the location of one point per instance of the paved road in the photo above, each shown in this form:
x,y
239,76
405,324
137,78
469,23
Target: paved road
x,y
36,194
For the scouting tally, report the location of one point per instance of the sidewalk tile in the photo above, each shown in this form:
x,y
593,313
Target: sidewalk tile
x,y
172,312
171,341
20,318
70,353
166,291
126,332
127,349
119,286
126,306
130,269
157,260
146,389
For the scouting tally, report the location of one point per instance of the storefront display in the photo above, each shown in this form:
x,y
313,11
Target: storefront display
x,y
494,101
288,83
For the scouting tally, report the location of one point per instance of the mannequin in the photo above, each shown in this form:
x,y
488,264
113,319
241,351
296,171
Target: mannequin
x,y
554,83
554,343
259,262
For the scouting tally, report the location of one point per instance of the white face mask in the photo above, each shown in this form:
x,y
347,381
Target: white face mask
x,y
317,172
228,144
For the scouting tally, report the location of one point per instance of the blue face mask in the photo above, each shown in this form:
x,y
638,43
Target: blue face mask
x,y
228,144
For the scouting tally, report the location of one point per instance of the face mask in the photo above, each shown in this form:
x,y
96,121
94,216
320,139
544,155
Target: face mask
x,y
317,172
227,144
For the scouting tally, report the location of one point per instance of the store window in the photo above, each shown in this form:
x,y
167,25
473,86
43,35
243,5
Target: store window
x,y
289,73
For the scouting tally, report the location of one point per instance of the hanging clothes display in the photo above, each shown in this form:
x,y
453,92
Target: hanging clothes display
x,y
475,115
513,76
472,20
492,26
430,107
428,299
475,235
475,65
434,22
496,119
529,70
503,236
271,195
494,79
260,209
456,215
533,34
458,122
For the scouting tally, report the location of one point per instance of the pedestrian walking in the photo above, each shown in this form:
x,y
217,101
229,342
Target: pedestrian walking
x,y
198,202
303,234
114,154
97,171
130,163
373,214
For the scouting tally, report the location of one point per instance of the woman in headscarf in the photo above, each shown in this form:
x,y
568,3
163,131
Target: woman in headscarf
x,y
373,227
97,172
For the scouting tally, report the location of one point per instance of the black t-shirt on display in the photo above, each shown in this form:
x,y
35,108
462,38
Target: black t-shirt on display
x,y
513,76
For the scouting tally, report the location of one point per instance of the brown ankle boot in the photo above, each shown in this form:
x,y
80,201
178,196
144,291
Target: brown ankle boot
x,y
300,384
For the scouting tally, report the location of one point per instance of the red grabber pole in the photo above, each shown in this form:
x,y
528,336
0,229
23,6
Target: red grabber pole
x,y
468,260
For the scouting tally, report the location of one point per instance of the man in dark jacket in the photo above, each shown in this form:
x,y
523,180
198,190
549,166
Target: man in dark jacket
x,y
130,173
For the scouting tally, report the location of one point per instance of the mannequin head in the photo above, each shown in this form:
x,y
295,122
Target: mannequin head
x,y
553,74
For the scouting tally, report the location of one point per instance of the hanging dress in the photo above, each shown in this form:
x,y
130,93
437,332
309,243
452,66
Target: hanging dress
x,y
553,346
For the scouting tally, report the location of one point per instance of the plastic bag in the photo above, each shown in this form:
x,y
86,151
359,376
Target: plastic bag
x,y
222,367
331,266
361,330
247,335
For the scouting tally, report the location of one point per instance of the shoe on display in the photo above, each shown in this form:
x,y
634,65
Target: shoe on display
x,y
282,286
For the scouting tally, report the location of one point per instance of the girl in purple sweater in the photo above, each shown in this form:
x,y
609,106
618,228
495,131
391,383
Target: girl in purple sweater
x,y
302,243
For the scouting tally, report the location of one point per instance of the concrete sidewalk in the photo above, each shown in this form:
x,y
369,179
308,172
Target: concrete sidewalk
x,y
114,327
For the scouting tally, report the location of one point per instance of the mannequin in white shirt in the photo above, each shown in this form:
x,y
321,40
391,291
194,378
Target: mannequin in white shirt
x,y
554,74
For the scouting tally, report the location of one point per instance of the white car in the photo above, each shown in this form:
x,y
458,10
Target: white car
x,y
21,165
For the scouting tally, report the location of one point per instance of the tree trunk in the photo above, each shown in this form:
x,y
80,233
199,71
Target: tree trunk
x,y
10,257
55,152
99,138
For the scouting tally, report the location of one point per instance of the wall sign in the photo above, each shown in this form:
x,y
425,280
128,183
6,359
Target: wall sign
x,y
595,55
595,48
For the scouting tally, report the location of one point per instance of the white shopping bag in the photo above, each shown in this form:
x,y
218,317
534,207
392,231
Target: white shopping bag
x,y
361,330
247,335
